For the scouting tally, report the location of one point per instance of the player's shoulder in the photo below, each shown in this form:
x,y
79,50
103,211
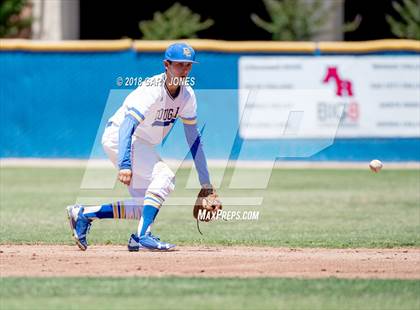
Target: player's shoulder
x,y
151,86
147,93
154,83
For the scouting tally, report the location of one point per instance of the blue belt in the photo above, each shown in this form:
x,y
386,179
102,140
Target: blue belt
x,y
108,124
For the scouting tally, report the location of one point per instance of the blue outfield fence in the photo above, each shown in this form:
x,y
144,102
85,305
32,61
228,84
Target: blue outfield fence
x,y
53,98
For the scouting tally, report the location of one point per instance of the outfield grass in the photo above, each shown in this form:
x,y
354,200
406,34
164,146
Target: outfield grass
x,y
301,208
207,293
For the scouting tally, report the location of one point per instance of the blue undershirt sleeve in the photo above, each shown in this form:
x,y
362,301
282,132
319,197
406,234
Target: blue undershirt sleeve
x,y
124,145
194,141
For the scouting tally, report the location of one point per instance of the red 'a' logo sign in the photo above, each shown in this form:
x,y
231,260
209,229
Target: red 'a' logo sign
x,y
342,86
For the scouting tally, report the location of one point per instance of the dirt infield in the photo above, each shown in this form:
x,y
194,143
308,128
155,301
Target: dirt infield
x,y
201,261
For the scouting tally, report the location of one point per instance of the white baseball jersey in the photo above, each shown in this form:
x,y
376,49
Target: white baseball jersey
x,y
156,110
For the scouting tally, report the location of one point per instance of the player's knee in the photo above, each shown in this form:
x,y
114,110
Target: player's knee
x,y
170,176
165,173
167,178
163,180
170,179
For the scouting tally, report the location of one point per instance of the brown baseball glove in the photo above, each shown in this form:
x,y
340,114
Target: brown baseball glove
x,y
206,205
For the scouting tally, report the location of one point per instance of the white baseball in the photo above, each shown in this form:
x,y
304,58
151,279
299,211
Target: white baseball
x,y
375,165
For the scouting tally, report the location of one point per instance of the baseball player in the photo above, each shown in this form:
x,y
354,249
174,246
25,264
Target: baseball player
x,y
131,134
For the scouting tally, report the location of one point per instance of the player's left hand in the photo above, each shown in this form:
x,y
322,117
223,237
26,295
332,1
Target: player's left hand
x,y
207,201
125,175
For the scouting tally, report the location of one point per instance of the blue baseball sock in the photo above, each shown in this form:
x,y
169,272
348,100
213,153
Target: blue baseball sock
x,y
147,218
151,207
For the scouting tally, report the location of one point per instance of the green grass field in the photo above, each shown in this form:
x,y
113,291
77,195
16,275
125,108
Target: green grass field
x,y
204,293
302,208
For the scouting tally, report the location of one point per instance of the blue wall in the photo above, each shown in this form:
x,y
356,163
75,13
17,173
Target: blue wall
x,y
53,102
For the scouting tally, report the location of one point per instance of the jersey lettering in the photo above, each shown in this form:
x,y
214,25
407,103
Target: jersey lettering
x,y
165,117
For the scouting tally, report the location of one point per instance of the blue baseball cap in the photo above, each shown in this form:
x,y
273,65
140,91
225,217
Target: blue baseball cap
x,y
180,52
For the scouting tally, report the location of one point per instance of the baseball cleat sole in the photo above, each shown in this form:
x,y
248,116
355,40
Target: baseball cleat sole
x,y
73,228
